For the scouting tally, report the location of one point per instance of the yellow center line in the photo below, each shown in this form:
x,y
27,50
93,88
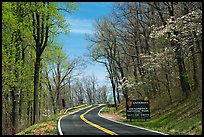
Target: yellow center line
x,y
95,125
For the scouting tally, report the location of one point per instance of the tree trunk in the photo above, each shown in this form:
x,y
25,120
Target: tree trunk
x,y
118,95
114,96
168,87
53,104
14,113
58,102
31,113
20,106
194,62
136,77
13,116
180,60
36,88
28,113
182,71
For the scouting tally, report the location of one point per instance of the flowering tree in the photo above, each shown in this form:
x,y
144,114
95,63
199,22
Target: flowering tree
x,y
184,34
156,46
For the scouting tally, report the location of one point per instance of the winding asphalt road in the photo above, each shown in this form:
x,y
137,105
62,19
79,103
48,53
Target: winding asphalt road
x,y
88,122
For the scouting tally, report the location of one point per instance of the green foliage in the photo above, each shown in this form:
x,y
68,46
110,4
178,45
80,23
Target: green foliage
x,y
105,109
50,121
28,132
18,54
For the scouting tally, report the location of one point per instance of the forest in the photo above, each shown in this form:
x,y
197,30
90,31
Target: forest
x,y
151,50
36,73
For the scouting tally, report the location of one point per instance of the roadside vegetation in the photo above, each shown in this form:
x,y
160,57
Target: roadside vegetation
x,y
182,117
49,126
153,51
39,78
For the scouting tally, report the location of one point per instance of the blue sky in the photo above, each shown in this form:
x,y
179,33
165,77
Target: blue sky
x,y
81,23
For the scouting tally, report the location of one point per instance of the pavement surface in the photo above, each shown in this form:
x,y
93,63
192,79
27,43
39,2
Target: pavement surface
x,y
88,122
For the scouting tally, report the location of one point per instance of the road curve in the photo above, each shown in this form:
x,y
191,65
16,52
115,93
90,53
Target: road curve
x,y
88,122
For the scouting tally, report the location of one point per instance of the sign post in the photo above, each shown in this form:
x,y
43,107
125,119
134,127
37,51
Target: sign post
x,y
137,109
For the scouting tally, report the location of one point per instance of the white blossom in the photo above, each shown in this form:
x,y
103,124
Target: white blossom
x,y
185,25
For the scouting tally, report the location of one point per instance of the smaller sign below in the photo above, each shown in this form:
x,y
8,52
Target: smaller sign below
x,y
137,109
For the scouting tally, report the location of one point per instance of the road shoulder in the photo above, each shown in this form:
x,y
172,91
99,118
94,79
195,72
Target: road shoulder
x,y
117,118
58,122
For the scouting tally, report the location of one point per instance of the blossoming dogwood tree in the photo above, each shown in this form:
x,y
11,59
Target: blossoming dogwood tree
x,y
184,34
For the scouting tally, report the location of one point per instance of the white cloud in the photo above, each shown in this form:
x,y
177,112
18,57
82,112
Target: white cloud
x,y
81,26
82,31
98,4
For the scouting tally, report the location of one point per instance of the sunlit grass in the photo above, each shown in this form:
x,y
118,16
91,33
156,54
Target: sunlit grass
x,y
186,119
182,117
42,127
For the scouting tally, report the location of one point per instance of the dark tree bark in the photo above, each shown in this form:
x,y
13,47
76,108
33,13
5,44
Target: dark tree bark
x,y
168,87
180,59
13,113
182,72
36,90
195,62
40,34
117,90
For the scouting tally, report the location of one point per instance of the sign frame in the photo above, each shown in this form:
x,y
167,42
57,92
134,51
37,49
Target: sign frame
x,y
137,109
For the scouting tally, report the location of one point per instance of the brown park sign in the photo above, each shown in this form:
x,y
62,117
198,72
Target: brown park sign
x,y
137,109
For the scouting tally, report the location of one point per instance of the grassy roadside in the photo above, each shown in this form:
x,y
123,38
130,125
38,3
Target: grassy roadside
x,y
179,118
48,126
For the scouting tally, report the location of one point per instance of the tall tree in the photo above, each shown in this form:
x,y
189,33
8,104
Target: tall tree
x,y
27,29
45,19
58,73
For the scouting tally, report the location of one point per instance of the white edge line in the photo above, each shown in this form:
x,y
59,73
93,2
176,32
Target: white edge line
x,y
59,127
129,124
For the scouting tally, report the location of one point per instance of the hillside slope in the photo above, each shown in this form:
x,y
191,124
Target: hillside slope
x,y
178,118
49,126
